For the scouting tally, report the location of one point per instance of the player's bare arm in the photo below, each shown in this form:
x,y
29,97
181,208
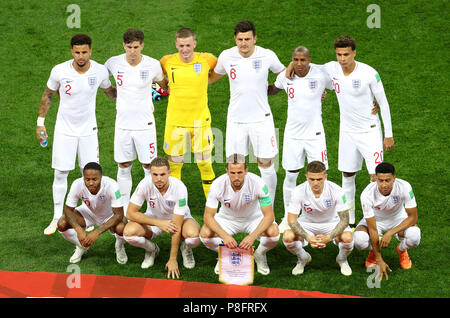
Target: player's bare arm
x,y
267,221
44,106
164,84
110,224
213,226
172,264
411,220
272,90
374,240
340,227
213,77
290,71
111,92
134,215
298,229
69,214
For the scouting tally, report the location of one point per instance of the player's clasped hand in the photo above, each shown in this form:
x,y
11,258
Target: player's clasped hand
x,y
168,226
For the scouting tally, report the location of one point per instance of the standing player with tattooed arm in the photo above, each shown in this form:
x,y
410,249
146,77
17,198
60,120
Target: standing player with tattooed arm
x,y
76,82
324,219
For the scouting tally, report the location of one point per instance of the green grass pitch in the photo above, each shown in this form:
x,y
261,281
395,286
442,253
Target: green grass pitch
x,y
408,50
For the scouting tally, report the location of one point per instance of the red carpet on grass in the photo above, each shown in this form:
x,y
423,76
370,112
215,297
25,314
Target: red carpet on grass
x,y
42,284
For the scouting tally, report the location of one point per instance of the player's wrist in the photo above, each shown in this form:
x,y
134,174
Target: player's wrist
x,y
40,121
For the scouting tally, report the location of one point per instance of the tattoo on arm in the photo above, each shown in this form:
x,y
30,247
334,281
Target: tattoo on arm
x,y
340,227
298,230
46,100
112,222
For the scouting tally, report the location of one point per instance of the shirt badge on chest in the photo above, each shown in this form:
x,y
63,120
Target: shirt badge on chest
x,y
92,80
197,68
144,75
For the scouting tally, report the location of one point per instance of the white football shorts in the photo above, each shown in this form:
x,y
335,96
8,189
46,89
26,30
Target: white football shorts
x,y
354,147
261,135
385,225
295,150
156,231
90,218
233,225
65,149
129,144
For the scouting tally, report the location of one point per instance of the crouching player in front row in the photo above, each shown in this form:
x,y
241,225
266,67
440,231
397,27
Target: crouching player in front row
x,y
167,211
389,207
101,206
324,219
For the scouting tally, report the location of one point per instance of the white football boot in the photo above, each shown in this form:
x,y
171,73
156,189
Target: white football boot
x,y
187,255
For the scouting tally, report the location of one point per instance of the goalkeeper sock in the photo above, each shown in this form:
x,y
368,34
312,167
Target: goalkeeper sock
x,y
207,174
175,169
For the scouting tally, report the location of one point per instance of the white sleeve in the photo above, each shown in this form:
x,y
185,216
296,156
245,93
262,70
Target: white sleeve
x,y
108,66
181,205
408,196
116,196
159,76
295,203
73,196
53,81
211,201
139,195
105,83
220,69
367,207
280,82
376,86
276,66
341,201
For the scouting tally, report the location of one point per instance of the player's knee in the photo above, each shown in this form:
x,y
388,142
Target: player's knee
x,y
348,174
264,162
119,228
346,237
63,225
130,229
361,240
412,236
288,236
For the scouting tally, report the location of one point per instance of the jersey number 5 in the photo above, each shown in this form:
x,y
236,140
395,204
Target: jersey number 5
x,y
119,79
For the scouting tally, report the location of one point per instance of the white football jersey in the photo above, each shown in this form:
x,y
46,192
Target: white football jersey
x,y
355,94
163,207
304,119
134,102
77,93
248,82
241,205
318,210
390,207
100,204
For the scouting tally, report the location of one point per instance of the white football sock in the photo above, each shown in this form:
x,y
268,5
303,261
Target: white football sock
x,y
140,241
59,192
192,242
269,176
289,183
349,187
344,250
146,172
124,179
296,248
211,243
71,236
266,243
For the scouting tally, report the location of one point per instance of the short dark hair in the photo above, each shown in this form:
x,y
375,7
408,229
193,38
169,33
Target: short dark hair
x,y
160,162
316,167
93,166
385,167
244,26
301,49
81,39
345,41
185,33
132,35
237,159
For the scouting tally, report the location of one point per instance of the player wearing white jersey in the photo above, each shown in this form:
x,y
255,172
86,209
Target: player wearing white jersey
x,y
390,209
101,206
246,207
249,118
76,82
360,137
167,211
304,134
324,218
135,130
